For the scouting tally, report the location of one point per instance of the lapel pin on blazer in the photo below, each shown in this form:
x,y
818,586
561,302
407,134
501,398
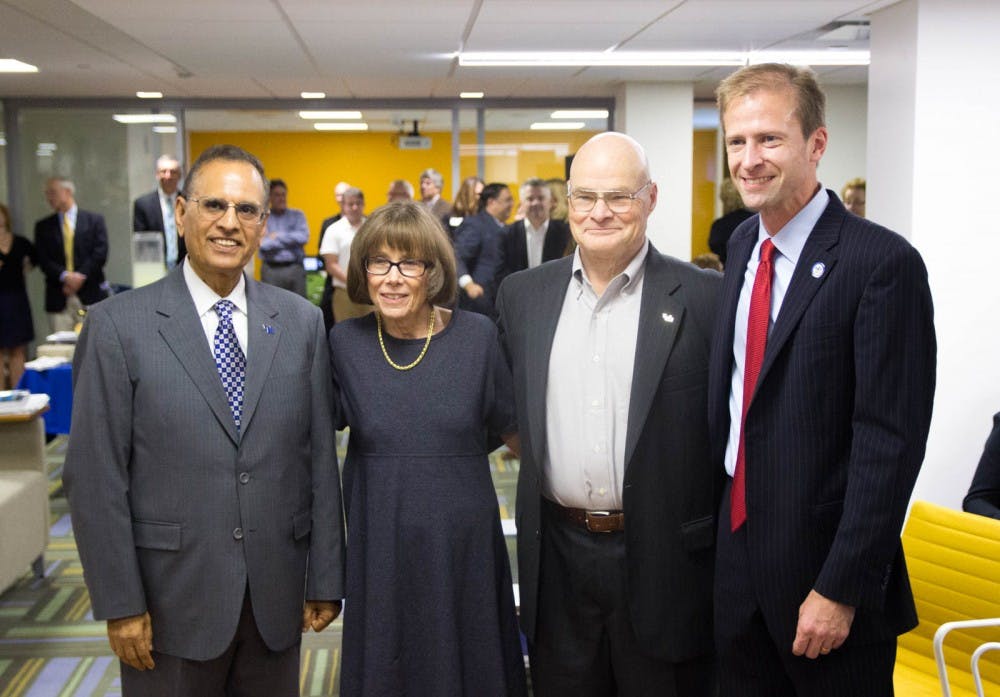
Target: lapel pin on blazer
x,y
668,318
818,268
268,329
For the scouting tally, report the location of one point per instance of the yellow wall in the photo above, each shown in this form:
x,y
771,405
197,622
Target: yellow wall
x,y
703,190
312,163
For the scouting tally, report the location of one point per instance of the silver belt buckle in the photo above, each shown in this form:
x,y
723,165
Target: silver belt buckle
x,y
596,514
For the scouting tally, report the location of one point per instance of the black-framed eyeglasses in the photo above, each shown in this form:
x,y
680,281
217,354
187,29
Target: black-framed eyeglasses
x,y
211,209
583,201
411,268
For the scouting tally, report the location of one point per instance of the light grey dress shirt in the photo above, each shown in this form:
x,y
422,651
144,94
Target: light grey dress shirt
x,y
534,239
788,243
589,388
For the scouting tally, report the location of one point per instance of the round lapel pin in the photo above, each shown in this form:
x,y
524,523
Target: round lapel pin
x,y
818,268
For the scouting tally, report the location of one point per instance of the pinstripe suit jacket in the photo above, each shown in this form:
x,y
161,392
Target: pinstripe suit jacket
x,y
835,431
670,491
175,512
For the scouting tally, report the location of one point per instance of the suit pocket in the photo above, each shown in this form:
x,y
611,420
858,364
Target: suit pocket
x,y
827,515
301,524
698,534
152,535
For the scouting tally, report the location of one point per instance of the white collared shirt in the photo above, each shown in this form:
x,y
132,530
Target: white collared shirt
x,y
788,244
69,216
169,226
204,302
535,241
590,387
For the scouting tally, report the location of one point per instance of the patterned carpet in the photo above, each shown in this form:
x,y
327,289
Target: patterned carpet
x,y
50,645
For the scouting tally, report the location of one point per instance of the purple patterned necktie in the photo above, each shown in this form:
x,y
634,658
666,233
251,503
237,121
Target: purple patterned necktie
x,y
229,359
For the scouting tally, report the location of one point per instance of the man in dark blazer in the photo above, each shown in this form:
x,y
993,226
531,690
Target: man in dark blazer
x,y
205,499
478,250
616,497
827,440
536,238
154,212
76,280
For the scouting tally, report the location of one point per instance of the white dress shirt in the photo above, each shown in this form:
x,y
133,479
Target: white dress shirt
x,y
788,243
204,302
535,240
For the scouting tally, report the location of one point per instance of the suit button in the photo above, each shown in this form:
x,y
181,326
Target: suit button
x,y
238,534
244,477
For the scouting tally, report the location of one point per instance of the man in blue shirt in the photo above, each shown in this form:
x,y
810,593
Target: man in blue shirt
x,y
281,249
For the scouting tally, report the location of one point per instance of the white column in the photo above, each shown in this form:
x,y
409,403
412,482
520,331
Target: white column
x,y
933,126
660,116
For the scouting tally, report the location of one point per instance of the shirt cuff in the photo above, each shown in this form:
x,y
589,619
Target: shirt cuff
x,y
465,280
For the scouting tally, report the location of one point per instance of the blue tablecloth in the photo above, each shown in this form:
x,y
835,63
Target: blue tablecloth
x,y
57,383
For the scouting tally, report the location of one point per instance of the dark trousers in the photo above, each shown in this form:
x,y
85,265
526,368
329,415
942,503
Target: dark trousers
x,y
248,668
584,644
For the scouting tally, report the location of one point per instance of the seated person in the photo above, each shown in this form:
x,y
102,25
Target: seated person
x,y
984,493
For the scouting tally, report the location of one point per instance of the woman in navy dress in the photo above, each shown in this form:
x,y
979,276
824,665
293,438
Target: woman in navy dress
x,y
17,255
427,395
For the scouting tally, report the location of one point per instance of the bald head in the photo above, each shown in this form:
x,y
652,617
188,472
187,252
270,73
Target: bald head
x,y
615,150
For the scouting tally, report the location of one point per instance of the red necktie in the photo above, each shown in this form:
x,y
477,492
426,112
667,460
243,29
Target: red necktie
x,y
760,314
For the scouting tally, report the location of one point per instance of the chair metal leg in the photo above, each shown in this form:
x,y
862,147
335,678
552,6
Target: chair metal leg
x,y
38,566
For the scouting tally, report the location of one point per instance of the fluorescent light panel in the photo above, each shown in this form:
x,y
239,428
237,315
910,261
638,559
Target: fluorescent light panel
x,y
471,95
164,129
313,95
658,58
341,126
557,125
579,114
12,65
145,118
149,95
330,115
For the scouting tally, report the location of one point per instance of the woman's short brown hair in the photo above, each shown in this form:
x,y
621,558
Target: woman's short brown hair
x,y
407,227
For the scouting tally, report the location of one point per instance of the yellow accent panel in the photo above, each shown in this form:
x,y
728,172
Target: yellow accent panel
x,y
954,564
312,163
703,180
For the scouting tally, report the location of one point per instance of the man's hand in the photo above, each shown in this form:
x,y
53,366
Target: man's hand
x,y
72,282
131,639
823,626
473,290
318,614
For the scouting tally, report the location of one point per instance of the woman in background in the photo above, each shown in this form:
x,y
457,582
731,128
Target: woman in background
x,y
429,608
466,204
17,256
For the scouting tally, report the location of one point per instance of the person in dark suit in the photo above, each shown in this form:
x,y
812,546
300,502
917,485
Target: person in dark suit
x,y
154,212
208,554
733,214
478,250
431,184
536,238
984,492
821,387
616,498
326,300
72,248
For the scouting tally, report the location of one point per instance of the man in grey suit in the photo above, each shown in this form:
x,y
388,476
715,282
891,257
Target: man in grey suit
x,y
204,491
616,497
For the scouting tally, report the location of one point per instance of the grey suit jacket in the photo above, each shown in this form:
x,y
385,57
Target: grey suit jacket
x,y
173,511
670,488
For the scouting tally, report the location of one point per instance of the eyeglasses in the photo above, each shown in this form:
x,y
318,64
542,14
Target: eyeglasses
x,y
617,201
411,268
211,209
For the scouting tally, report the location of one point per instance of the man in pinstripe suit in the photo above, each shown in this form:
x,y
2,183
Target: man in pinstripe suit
x,y
825,442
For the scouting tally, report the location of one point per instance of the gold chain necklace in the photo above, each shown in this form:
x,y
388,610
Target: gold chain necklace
x,y
381,342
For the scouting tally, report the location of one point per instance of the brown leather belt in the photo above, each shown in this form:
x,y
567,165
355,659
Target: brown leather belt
x,y
594,521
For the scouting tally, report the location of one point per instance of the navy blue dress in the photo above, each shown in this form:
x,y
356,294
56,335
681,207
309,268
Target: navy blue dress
x,y
16,328
429,607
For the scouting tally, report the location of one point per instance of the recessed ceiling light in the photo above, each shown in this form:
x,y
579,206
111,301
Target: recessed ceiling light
x,y
164,129
557,125
12,65
579,114
471,95
329,114
3,139
145,118
149,95
47,146
313,95
341,126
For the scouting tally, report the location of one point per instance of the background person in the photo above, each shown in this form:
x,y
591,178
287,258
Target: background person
x,y
72,248
17,256
853,195
535,238
335,250
282,247
984,492
154,212
466,204
479,252
733,213
426,395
